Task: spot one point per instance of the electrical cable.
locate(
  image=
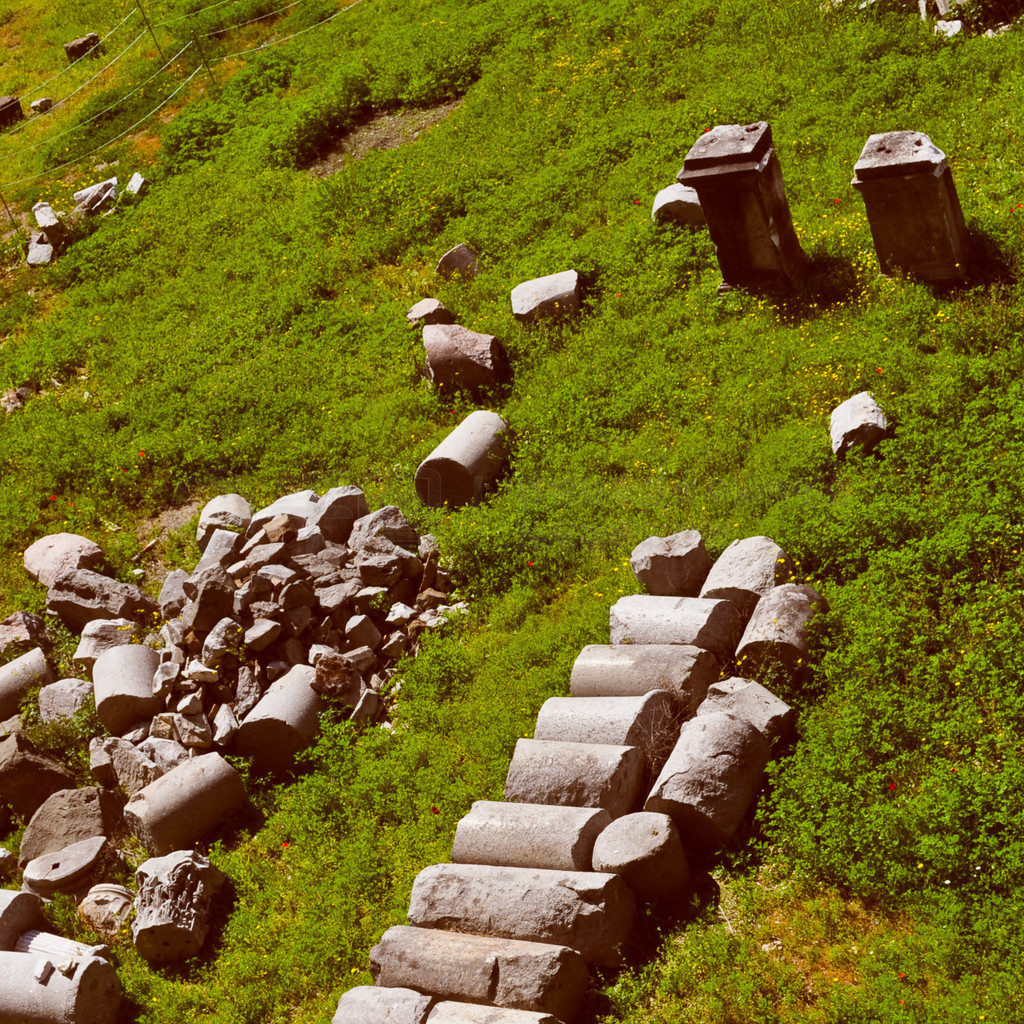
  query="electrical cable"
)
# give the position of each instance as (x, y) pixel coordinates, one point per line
(242, 24)
(294, 35)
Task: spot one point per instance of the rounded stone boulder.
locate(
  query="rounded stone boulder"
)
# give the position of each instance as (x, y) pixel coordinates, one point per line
(646, 850)
(547, 298)
(628, 670)
(122, 680)
(91, 994)
(19, 676)
(226, 511)
(467, 463)
(673, 566)
(859, 422)
(678, 204)
(776, 634)
(49, 556)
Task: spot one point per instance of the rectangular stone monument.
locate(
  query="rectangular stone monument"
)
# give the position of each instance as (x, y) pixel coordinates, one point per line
(738, 179)
(913, 209)
(10, 111)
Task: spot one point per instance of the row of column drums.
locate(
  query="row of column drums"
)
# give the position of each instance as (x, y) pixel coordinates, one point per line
(652, 756)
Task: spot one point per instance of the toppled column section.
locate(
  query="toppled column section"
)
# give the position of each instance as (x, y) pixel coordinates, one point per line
(479, 969)
(776, 635)
(677, 204)
(371, 1004)
(714, 625)
(547, 298)
(10, 111)
(739, 182)
(575, 775)
(19, 912)
(122, 680)
(916, 221)
(19, 676)
(752, 702)
(646, 850)
(457, 357)
(674, 566)
(626, 670)
(449, 1012)
(745, 571)
(585, 910)
(711, 778)
(857, 422)
(467, 463)
(87, 992)
(528, 835)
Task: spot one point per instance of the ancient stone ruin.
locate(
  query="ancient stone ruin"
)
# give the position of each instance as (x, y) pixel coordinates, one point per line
(651, 762)
(547, 298)
(467, 463)
(857, 423)
(10, 111)
(76, 49)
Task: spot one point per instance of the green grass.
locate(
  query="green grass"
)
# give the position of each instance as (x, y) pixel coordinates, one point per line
(242, 328)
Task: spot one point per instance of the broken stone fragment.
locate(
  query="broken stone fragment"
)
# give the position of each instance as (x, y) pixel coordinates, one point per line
(27, 778)
(40, 251)
(123, 685)
(78, 596)
(387, 522)
(105, 908)
(65, 869)
(460, 259)
(545, 298)
(64, 698)
(225, 512)
(76, 49)
(42, 105)
(746, 571)
(95, 197)
(677, 204)
(776, 635)
(457, 357)
(429, 311)
(23, 629)
(857, 422)
(132, 768)
(173, 905)
(100, 635)
(752, 702)
(646, 850)
(674, 566)
(302, 504)
(137, 185)
(69, 816)
(55, 553)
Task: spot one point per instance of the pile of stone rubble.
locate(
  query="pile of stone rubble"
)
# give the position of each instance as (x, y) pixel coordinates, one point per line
(308, 603)
(650, 760)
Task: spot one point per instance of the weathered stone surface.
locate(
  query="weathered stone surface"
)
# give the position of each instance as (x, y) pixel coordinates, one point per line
(283, 723)
(711, 778)
(746, 571)
(448, 1012)
(23, 629)
(336, 512)
(858, 422)
(19, 676)
(301, 504)
(776, 635)
(387, 522)
(14, 399)
(172, 597)
(467, 463)
(173, 904)
(337, 678)
(56, 947)
(714, 625)
(10, 111)
(8, 863)
(164, 753)
(63, 869)
(429, 311)
(677, 204)
(133, 769)
(42, 105)
(223, 548)
(40, 251)
(95, 197)
(78, 48)
(122, 681)
(575, 775)
(213, 599)
(545, 298)
(138, 185)
(743, 698)
(80, 595)
(626, 670)
(739, 182)
(89, 994)
(26, 777)
(105, 908)
(474, 968)
(226, 511)
(674, 566)
(100, 636)
(47, 219)
(528, 835)
(66, 817)
(186, 804)
(19, 912)
(646, 850)
(586, 911)
(912, 205)
(63, 698)
(647, 722)
(460, 259)
(371, 1004)
(224, 643)
(457, 357)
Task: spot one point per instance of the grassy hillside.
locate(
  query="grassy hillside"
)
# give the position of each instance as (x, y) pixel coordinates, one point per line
(242, 328)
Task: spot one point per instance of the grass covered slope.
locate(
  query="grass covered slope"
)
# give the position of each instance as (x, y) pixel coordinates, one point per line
(242, 328)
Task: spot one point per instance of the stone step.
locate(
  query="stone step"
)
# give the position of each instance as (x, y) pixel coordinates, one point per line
(585, 910)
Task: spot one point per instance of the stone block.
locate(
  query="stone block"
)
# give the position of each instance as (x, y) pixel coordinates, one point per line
(371, 1004)
(674, 566)
(187, 804)
(857, 423)
(80, 595)
(41, 105)
(743, 698)
(528, 835)
(457, 357)
(575, 775)
(460, 259)
(26, 777)
(24, 630)
(63, 699)
(912, 205)
(387, 522)
(449, 1012)
(138, 185)
(713, 625)
(19, 676)
(361, 631)
(122, 681)
(76, 49)
(475, 968)
(40, 251)
(711, 778)
(429, 311)
(646, 850)
(628, 670)
(678, 204)
(133, 769)
(100, 635)
(746, 571)
(301, 504)
(172, 597)
(93, 198)
(89, 993)
(283, 723)
(776, 635)
(647, 722)
(547, 298)
(336, 512)
(590, 912)
(738, 180)
(66, 817)
(10, 111)
(467, 463)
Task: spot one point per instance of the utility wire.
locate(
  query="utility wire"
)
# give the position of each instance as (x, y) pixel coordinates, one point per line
(102, 70)
(183, 17)
(252, 21)
(294, 35)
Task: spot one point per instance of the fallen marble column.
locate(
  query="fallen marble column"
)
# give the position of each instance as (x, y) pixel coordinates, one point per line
(627, 670)
(776, 635)
(694, 621)
(37, 991)
(480, 969)
(56, 947)
(371, 1004)
(528, 835)
(448, 1012)
(467, 463)
(711, 778)
(575, 775)
(19, 676)
(458, 357)
(19, 913)
(122, 681)
(746, 571)
(743, 698)
(647, 851)
(587, 911)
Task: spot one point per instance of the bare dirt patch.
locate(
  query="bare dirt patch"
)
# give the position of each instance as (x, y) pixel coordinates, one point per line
(166, 522)
(385, 131)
